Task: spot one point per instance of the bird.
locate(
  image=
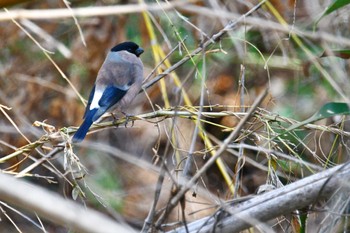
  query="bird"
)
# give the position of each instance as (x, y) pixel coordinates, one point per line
(118, 82)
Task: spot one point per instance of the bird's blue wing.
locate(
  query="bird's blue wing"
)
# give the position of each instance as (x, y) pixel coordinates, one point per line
(84, 127)
(110, 97)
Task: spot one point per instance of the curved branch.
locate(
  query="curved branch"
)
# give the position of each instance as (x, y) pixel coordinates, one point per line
(275, 203)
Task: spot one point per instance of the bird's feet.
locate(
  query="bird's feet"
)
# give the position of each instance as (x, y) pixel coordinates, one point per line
(127, 119)
(115, 120)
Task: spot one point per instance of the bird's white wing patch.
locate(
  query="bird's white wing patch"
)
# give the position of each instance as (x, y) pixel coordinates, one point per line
(97, 96)
(125, 87)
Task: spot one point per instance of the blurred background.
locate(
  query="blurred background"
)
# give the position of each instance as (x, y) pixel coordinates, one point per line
(47, 58)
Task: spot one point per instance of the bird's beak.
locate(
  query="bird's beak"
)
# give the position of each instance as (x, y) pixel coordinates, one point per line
(139, 51)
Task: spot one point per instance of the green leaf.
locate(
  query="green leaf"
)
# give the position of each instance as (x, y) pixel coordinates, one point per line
(335, 5)
(327, 110)
(342, 53)
(303, 219)
(288, 166)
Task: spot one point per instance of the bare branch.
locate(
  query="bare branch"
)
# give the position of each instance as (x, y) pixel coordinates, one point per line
(275, 203)
(89, 11)
(54, 208)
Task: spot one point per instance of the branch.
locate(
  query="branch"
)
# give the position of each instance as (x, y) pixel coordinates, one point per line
(275, 203)
(89, 11)
(54, 208)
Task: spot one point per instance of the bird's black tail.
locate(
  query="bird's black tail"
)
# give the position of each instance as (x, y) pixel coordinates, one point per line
(84, 127)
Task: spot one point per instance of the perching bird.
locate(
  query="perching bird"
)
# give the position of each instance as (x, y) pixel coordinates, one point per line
(118, 81)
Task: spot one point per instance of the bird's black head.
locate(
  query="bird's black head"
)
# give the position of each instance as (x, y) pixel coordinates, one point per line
(129, 46)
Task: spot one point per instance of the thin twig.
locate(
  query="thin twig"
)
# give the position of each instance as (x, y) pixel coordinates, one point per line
(150, 217)
(162, 62)
(240, 158)
(262, 23)
(49, 39)
(216, 37)
(175, 200)
(47, 54)
(189, 161)
(276, 154)
(22, 215)
(40, 161)
(67, 3)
